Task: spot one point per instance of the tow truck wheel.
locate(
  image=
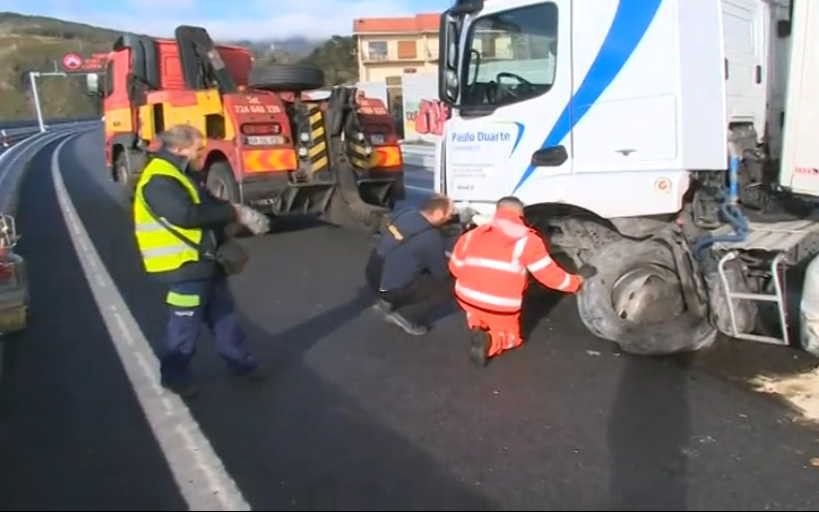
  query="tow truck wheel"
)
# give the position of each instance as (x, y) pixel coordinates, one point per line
(636, 300)
(123, 177)
(121, 169)
(221, 182)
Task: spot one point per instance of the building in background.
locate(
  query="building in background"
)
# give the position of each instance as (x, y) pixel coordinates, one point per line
(389, 48)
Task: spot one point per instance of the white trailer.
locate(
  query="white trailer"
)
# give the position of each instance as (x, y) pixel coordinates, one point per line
(669, 143)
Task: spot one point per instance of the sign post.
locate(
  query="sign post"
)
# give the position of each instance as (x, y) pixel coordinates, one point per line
(33, 76)
(73, 64)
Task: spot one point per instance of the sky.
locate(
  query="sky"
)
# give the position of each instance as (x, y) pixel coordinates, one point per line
(246, 19)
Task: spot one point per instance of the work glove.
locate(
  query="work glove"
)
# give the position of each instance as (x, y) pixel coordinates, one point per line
(587, 271)
(256, 222)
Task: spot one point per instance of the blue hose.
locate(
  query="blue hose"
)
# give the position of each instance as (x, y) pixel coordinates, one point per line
(730, 213)
(733, 181)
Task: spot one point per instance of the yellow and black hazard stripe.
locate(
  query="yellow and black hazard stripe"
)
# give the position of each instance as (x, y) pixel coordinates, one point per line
(317, 152)
(360, 156)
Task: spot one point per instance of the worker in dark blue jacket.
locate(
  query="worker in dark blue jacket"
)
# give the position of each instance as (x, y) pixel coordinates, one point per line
(408, 266)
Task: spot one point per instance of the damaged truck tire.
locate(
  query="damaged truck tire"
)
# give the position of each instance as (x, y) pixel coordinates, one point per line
(636, 300)
(287, 78)
(221, 182)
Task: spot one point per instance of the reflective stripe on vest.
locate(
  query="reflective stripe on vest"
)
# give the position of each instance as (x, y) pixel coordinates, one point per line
(566, 282)
(164, 251)
(503, 266)
(485, 298)
(512, 266)
(540, 264)
(520, 246)
(149, 227)
(183, 300)
(161, 250)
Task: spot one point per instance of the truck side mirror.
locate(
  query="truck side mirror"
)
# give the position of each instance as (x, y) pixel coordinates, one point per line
(448, 85)
(92, 84)
(783, 28)
(467, 6)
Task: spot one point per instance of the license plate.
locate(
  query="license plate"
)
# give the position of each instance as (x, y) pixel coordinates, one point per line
(377, 139)
(264, 140)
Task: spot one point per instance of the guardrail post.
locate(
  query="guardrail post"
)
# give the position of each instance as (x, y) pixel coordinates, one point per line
(5, 138)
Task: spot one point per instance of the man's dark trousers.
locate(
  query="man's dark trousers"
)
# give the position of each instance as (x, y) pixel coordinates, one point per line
(213, 308)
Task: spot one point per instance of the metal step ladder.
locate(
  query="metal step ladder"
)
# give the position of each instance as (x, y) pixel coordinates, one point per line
(777, 297)
(778, 239)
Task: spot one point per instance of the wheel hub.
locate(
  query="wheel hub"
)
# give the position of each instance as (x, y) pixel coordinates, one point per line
(648, 294)
(220, 190)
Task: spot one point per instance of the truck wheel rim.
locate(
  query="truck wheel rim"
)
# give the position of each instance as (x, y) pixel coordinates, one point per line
(220, 190)
(648, 294)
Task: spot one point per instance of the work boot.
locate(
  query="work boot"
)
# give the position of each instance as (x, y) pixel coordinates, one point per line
(185, 388)
(479, 345)
(405, 324)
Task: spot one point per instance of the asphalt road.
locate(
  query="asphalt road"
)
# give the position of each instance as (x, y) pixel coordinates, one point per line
(358, 415)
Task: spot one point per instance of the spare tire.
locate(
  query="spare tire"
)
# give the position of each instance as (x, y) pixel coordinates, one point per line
(287, 78)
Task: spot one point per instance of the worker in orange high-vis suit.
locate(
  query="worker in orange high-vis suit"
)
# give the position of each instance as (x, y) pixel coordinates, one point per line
(490, 265)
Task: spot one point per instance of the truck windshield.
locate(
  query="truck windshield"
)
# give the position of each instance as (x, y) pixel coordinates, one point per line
(512, 56)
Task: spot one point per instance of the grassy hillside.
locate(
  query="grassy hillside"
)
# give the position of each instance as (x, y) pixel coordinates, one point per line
(36, 43)
(33, 43)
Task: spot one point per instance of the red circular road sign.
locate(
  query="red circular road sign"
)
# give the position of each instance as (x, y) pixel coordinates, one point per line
(72, 62)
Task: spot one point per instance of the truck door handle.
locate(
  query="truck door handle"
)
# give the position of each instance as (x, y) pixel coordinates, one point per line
(550, 157)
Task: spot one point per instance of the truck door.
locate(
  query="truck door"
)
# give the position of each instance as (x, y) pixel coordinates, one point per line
(744, 23)
(118, 111)
(516, 76)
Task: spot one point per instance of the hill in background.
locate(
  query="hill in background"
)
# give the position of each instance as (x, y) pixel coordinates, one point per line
(37, 43)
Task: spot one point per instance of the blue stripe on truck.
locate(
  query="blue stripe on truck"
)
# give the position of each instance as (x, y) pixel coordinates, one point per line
(631, 22)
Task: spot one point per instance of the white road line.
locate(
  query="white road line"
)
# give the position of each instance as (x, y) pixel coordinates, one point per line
(199, 473)
(418, 189)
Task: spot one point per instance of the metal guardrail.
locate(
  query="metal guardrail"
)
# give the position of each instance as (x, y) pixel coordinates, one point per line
(11, 136)
(14, 159)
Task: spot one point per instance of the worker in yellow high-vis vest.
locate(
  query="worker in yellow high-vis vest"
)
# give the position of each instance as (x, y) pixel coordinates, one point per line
(177, 222)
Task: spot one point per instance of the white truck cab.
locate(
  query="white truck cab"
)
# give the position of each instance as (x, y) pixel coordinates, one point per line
(615, 122)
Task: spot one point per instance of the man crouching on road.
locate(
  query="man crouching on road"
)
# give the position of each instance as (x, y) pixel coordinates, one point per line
(408, 269)
(177, 223)
(490, 265)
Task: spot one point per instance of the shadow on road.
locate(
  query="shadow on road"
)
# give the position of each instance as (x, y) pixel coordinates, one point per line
(537, 304)
(298, 442)
(649, 431)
